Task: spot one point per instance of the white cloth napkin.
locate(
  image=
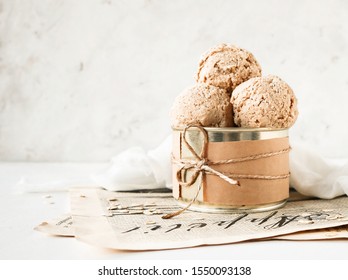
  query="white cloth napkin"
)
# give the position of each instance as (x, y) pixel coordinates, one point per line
(314, 175)
(136, 169)
(311, 174)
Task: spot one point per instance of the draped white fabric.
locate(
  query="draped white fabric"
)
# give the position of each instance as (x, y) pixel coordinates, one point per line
(311, 174)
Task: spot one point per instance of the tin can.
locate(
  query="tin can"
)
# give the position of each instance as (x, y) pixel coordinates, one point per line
(230, 169)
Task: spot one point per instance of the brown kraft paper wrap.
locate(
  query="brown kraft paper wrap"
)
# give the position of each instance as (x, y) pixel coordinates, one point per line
(250, 191)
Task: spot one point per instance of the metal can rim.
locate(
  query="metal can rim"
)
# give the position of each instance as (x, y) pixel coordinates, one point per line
(222, 134)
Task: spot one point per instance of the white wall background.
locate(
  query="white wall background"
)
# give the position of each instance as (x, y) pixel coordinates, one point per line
(84, 80)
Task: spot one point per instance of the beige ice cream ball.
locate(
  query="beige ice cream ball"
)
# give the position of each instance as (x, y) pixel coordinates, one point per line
(264, 102)
(226, 66)
(204, 105)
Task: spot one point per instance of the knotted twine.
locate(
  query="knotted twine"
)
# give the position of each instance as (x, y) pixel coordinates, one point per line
(202, 165)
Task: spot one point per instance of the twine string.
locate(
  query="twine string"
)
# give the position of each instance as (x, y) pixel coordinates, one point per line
(201, 164)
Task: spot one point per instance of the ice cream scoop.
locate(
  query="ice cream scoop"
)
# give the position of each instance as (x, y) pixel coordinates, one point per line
(227, 66)
(264, 102)
(204, 105)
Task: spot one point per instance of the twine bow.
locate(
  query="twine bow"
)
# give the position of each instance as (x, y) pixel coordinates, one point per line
(199, 166)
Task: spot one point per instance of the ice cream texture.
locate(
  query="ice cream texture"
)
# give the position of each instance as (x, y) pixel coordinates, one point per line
(264, 102)
(203, 105)
(226, 66)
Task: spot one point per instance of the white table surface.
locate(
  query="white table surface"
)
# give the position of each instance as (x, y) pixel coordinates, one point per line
(21, 212)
